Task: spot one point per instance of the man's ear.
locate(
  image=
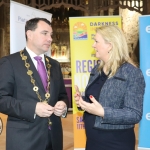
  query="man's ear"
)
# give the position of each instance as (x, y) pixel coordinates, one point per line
(29, 34)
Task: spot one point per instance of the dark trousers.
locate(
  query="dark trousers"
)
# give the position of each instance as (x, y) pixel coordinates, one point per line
(49, 141)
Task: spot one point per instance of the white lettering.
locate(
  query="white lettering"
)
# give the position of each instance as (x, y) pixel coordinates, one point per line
(81, 80)
(148, 116)
(148, 72)
(148, 29)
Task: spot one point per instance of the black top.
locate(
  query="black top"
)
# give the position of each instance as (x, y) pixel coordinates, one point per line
(94, 90)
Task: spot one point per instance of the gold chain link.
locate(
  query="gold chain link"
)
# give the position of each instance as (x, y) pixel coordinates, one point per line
(30, 72)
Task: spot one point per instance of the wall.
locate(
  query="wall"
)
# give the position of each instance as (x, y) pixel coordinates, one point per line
(4, 30)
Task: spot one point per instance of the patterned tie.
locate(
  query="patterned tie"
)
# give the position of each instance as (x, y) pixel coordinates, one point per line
(42, 71)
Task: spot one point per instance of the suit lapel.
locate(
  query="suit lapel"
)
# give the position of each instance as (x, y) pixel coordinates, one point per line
(47, 68)
(45, 57)
(53, 74)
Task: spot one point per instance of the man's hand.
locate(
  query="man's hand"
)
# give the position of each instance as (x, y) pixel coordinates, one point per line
(43, 109)
(60, 108)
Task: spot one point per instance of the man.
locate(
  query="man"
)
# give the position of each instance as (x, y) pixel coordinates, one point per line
(34, 109)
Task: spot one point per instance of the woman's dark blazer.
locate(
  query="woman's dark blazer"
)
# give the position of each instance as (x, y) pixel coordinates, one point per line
(18, 101)
(121, 97)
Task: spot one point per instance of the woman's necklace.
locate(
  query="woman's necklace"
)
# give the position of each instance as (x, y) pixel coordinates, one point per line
(35, 88)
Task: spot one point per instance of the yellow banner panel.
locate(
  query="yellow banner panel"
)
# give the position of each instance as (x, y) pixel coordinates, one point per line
(82, 31)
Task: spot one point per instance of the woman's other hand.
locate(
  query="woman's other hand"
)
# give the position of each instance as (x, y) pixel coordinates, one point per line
(77, 95)
(94, 108)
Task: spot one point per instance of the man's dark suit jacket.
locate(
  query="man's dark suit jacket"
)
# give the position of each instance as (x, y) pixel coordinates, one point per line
(18, 101)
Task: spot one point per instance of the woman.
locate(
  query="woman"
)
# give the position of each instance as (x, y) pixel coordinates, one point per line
(114, 95)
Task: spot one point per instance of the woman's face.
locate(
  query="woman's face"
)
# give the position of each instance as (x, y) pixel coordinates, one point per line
(101, 47)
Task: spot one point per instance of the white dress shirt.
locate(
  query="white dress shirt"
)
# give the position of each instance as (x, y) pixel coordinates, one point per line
(32, 55)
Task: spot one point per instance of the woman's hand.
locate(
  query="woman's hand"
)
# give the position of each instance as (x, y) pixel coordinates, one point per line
(94, 108)
(77, 95)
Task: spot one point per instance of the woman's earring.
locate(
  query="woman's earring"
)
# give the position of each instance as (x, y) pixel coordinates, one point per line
(109, 51)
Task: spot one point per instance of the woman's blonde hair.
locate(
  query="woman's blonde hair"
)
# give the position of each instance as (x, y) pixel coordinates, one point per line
(119, 54)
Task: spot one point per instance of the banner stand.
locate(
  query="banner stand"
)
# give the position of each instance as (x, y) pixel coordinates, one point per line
(144, 38)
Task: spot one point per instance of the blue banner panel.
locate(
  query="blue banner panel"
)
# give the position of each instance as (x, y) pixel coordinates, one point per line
(144, 38)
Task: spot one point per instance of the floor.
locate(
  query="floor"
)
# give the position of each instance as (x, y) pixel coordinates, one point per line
(67, 131)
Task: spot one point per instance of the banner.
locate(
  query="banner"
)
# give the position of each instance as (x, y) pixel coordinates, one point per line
(19, 14)
(82, 31)
(144, 38)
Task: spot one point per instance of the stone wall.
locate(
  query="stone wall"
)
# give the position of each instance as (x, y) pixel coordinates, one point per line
(130, 26)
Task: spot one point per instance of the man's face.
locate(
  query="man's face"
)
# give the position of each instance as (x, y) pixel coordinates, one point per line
(40, 39)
